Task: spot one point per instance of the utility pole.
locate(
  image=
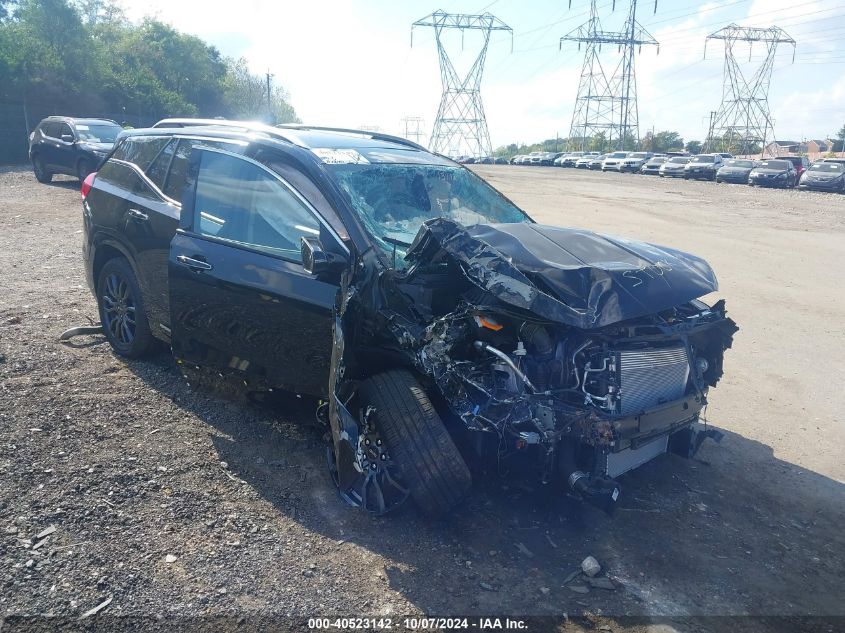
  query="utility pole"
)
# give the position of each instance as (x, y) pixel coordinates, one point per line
(743, 121)
(607, 104)
(461, 125)
(709, 140)
(269, 100)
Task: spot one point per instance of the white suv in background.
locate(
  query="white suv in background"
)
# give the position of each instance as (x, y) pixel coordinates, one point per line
(613, 161)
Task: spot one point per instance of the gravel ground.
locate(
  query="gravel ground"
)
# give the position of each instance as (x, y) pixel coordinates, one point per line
(170, 502)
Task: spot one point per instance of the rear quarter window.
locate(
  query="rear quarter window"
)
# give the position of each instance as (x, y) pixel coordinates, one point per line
(140, 150)
(118, 175)
(127, 179)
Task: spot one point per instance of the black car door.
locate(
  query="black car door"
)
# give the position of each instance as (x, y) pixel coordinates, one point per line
(240, 301)
(49, 143)
(65, 150)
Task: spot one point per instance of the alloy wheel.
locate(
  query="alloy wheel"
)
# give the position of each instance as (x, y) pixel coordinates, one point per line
(119, 309)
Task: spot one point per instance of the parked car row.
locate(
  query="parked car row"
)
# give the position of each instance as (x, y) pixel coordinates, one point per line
(484, 160)
(784, 171)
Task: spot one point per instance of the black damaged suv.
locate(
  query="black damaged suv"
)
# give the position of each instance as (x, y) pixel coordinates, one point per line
(65, 145)
(448, 332)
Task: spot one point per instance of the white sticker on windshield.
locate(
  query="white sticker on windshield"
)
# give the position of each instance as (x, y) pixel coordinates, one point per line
(81, 127)
(340, 156)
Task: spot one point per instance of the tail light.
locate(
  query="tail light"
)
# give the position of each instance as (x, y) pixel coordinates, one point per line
(87, 184)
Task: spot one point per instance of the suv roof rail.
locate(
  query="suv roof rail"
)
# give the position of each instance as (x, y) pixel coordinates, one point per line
(280, 129)
(380, 136)
(63, 117)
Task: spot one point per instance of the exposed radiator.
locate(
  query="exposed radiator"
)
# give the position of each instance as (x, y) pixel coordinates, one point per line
(650, 377)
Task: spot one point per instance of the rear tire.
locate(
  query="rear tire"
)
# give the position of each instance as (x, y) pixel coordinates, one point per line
(122, 312)
(41, 174)
(429, 462)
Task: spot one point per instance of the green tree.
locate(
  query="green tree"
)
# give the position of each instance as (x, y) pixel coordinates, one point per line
(83, 56)
(668, 141)
(693, 147)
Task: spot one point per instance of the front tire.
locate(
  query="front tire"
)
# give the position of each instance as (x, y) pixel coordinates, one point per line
(429, 462)
(41, 174)
(122, 312)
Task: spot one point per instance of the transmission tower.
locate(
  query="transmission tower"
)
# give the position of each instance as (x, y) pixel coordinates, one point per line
(742, 123)
(413, 129)
(461, 126)
(607, 104)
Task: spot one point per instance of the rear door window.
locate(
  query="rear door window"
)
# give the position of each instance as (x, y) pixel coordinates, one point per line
(51, 129)
(64, 128)
(239, 201)
(174, 185)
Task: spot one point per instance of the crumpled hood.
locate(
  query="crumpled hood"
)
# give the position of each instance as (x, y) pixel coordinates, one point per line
(570, 276)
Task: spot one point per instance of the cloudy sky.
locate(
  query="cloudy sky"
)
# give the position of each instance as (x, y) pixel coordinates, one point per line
(350, 62)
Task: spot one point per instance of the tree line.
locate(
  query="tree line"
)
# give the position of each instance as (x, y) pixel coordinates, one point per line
(84, 57)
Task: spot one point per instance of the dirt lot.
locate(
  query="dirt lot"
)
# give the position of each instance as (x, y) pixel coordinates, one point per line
(171, 502)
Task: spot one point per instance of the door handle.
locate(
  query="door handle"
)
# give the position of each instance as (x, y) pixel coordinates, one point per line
(193, 264)
(138, 215)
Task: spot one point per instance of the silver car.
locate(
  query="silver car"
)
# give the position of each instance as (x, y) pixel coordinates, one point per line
(597, 161)
(674, 167)
(569, 160)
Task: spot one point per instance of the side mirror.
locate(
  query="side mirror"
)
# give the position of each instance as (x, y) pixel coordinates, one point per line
(315, 259)
(67, 138)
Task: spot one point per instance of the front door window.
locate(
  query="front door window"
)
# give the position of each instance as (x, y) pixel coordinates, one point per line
(241, 202)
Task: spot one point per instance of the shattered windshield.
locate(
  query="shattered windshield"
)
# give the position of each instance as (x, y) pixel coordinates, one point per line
(393, 200)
